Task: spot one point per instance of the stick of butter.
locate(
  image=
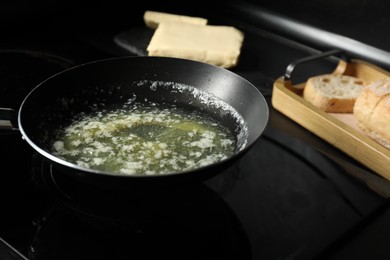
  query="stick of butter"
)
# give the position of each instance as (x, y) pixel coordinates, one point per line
(217, 45)
(153, 19)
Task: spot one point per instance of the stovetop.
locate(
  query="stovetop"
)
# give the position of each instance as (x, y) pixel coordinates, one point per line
(292, 196)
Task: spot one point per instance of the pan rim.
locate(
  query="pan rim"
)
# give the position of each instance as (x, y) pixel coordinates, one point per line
(231, 158)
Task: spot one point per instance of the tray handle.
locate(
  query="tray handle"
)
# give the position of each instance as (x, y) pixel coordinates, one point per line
(344, 59)
(8, 121)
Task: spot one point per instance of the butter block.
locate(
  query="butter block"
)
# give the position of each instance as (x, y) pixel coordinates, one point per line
(152, 19)
(217, 45)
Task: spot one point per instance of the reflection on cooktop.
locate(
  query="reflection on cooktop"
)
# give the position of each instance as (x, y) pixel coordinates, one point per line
(286, 202)
(190, 222)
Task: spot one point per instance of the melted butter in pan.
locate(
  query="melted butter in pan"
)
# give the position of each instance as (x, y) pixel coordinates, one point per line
(144, 140)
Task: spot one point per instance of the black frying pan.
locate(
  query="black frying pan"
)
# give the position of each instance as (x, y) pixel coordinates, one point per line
(54, 102)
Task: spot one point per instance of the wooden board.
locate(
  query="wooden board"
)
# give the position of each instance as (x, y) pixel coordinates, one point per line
(340, 130)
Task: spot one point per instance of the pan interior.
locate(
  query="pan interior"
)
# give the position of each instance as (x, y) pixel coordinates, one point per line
(111, 96)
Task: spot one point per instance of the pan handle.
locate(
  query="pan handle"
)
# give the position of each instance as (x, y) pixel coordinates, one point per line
(290, 68)
(8, 119)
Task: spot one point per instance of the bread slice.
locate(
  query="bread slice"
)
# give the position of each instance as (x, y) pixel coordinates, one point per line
(152, 19)
(372, 111)
(217, 45)
(333, 93)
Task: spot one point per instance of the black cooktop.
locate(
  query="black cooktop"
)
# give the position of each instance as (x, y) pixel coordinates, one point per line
(290, 197)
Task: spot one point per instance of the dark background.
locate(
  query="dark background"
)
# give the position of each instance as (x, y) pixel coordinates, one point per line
(362, 21)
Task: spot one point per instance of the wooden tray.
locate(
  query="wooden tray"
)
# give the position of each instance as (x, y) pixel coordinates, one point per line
(340, 130)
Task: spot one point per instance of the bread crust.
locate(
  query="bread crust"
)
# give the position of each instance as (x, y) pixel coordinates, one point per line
(372, 111)
(333, 93)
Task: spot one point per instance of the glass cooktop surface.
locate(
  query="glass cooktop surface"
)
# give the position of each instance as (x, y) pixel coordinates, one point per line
(282, 200)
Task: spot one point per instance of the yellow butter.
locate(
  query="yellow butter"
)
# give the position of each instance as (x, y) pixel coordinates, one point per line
(152, 19)
(217, 45)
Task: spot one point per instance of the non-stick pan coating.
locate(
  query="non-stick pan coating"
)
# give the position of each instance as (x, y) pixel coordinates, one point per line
(54, 102)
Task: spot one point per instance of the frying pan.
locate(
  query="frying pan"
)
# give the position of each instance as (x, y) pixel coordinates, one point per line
(100, 84)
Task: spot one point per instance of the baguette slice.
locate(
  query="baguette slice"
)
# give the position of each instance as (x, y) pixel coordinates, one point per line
(152, 19)
(333, 93)
(372, 111)
(217, 45)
